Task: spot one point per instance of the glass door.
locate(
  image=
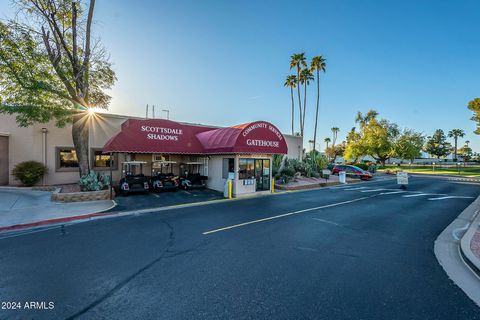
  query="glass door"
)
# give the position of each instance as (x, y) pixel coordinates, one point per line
(262, 174)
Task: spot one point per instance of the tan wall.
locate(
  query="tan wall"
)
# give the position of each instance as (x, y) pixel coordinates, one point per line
(4, 170)
(295, 146)
(215, 172)
(27, 144)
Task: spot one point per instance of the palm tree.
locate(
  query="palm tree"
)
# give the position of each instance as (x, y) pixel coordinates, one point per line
(291, 82)
(455, 134)
(318, 64)
(298, 61)
(305, 77)
(335, 131)
(327, 141)
(467, 143)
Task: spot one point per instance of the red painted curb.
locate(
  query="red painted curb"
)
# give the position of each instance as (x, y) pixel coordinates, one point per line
(56, 220)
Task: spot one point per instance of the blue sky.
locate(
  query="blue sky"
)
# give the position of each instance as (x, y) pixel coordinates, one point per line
(224, 62)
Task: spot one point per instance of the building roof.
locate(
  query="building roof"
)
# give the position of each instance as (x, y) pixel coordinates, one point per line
(165, 136)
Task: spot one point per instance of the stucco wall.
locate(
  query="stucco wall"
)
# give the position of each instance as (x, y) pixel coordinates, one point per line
(27, 144)
(215, 172)
(295, 146)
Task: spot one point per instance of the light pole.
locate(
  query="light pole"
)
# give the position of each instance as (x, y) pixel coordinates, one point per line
(167, 112)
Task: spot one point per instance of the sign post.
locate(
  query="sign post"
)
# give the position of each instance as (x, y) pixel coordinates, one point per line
(402, 179)
(326, 175)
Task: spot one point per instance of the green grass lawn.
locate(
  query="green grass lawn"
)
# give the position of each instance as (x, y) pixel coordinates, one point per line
(469, 171)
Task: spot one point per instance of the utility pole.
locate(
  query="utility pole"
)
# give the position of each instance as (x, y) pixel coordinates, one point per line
(146, 112)
(167, 112)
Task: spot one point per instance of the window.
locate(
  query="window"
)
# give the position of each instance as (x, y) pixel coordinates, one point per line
(228, 167)
(102, 161)
(66, 159)
(246, 169)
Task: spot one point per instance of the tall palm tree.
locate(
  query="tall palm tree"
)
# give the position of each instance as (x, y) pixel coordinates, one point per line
(291, 82)
(318, 64)
(335, 131)
(455, 134)
(327, 141)
(305, 77)
(298, 61)
(467, 143)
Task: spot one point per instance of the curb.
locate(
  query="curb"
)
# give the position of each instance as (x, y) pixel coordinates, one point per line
(465, 249)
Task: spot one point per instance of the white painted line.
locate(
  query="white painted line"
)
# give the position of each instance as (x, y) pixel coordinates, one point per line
(449, 197)
(393, 192)
(374, 190)
(284, 215)
(329, 222)
(352, 189)
(156, 195)
(416, 195)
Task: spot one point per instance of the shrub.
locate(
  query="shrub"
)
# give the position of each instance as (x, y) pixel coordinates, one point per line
(92, 182)
(29, 172)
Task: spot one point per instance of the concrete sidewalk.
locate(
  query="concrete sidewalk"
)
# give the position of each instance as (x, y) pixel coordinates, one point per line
(470, 242)
(22, 207)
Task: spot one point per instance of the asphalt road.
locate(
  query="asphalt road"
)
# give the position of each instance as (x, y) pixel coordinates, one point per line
(361, 252)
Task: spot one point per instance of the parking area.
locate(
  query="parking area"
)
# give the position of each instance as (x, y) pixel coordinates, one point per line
(164, 199)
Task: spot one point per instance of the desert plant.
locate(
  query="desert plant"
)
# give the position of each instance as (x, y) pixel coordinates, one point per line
(92, 182)
(29, 172)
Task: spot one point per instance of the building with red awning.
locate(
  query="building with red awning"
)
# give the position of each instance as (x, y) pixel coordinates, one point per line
(242, 153)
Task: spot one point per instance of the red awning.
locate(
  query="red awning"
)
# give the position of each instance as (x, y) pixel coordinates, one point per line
(165, 136)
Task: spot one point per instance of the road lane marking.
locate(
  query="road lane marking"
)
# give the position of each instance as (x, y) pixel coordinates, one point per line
(450, 197)
(329, 222)
(374, 190)
(416, 195)
(284, 215)
(352, 189)
(393, 192)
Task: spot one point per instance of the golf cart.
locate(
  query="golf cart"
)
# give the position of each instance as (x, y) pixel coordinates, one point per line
(163, 181)
(133, 180)
(192, 179)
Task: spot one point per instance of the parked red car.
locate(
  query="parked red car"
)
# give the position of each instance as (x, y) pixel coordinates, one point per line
(352, 171)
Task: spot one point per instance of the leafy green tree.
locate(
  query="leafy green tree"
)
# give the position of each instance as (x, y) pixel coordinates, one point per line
(318, 64)
(49, 68)
(354, 148)
(305, 77)
(465, 152)
(298, 62)
(378, 139)
(291, 82)
(409, 145)
(335, 151)
(455, 134)
(437, 144)
(474, 105)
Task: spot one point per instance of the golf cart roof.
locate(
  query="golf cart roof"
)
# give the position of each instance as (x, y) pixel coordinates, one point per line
(194, 162)
(164, 162)
(134, 162)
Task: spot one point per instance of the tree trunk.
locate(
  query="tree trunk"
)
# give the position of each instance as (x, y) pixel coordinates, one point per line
(455, 149)
(80, 135)
(316, 112)
(299, 102)
(293, 110)
(304, 105)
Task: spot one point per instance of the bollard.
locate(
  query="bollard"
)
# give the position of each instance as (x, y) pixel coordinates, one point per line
(229, 189)
(273, 185)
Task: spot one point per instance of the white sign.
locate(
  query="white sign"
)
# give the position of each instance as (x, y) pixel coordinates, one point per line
(326, 172)
(402, 177)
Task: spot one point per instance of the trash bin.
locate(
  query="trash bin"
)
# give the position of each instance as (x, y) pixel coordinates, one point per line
(342, 177)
